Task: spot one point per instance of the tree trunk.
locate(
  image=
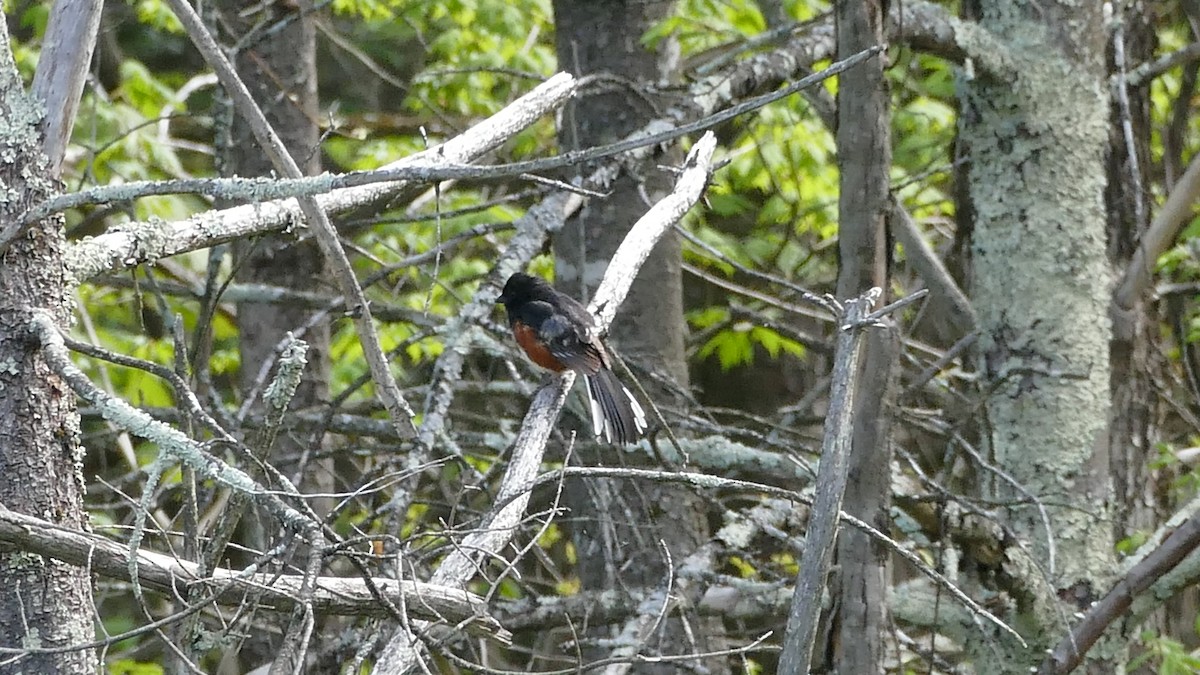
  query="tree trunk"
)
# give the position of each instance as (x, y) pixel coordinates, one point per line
(864, 163)
(280, 72)
(1038, 136)
(44, 603)
(615, 552)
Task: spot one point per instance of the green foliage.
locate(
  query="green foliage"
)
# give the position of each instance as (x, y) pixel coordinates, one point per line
(468, 41)
(1185, 480)
(744, 568)
(698, 25)
(115, 322)
(157, 15)
(1167, 656)
(787, 562)
(1129, 545)
(1180, 263)
(509, 589)
(25, 53)
(34, 17)
(130, 667)
(568, 586)
(736, 345)
(129, 140)
(353, 154)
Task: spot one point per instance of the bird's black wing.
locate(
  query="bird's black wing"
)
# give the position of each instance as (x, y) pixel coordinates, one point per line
(566, 338)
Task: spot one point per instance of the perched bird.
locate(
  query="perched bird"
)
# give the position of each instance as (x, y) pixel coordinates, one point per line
(558, 333)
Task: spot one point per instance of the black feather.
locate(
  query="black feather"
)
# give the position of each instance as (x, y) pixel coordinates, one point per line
(568, 331)
(622, 419)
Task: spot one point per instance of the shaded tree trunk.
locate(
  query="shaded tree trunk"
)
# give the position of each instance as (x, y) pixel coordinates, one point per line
(1143, 493)
(615, 552)
(864, 164)
(280, 72)
(1141, 500)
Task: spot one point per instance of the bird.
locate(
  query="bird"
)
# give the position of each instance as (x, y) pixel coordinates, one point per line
(558, 333)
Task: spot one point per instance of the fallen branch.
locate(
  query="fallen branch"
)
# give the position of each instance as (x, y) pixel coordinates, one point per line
(273, 592)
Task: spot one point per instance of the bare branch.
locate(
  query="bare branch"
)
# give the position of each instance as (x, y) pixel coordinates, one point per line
(172, 443)
(61, 72)
(932, 28)
(275, 592)
(710, 482)
(1171, 217)
(137, 243)
(401, 652)
(1071, 649)
(386, 389)
(1148, 71)
(933, 271)
(58, 83)
(831, 487)
(532, 230)
(646, 232)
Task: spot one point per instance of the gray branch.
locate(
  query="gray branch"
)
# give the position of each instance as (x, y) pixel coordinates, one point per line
(63, 69)
(172, 443)
(136, 243)
(830, 488)
(274, 592)
(386, 389)
(403, 651)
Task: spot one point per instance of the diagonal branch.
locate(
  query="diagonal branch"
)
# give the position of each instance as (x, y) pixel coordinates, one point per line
(141, 242)
(1170, 220)
(830, 488)
(62, 71)
(1071, 649)
(172, 443)
(58, 84)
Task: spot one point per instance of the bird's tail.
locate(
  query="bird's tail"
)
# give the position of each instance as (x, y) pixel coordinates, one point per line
(616, 414)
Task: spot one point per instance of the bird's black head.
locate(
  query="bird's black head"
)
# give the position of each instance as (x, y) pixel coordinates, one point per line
(522, 287)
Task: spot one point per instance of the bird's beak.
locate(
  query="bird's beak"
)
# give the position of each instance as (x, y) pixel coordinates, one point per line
(501, 298)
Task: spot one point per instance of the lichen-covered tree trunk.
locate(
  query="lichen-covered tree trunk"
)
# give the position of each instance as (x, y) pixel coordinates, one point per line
(1041, 287)
(44, 603)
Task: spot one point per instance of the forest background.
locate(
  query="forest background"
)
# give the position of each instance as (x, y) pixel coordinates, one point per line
(272, 424)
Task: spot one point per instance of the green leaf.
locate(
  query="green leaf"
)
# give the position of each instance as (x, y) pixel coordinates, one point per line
(731, 347)
(130, 667)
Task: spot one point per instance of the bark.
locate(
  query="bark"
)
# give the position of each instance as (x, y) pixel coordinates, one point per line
(864, 163)
(281, 73)
(622, 528)
(1142, 415)
(1041, 287)
(44, 603)
(1143, 495)
(62, 70)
